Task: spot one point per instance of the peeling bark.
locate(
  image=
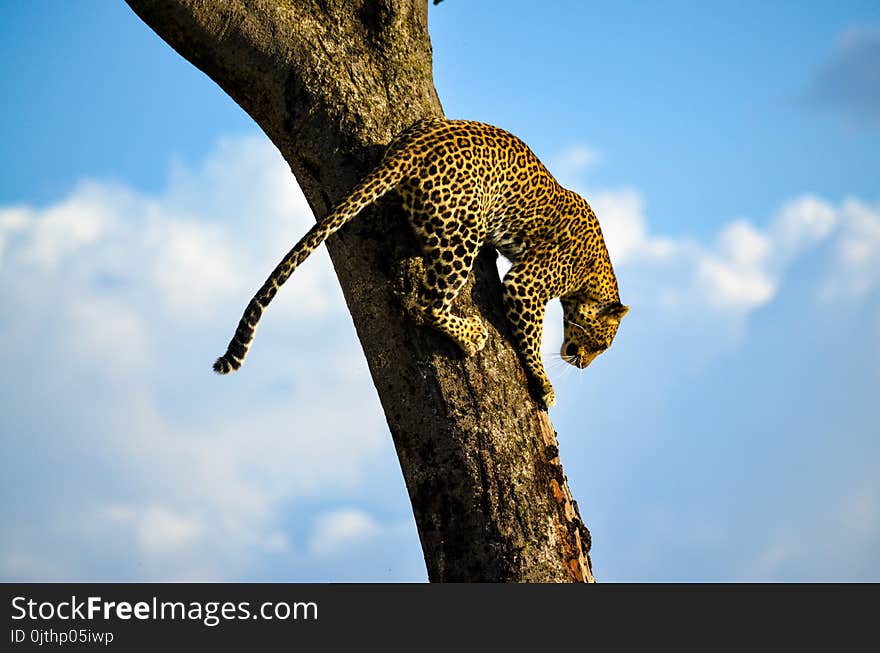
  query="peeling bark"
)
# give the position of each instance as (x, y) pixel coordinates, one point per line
(331, 82)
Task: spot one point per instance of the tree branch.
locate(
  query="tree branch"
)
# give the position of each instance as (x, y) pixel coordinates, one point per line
(330, 82)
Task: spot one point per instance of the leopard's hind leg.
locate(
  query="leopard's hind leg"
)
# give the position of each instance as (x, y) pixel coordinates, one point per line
(450, 246)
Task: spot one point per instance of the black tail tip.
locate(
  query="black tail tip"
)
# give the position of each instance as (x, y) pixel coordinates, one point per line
(223, 366)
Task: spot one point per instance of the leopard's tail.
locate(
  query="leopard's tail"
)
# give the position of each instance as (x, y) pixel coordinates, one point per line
(379, 182)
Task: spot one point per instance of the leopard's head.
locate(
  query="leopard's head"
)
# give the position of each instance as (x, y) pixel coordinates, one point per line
(589, 329)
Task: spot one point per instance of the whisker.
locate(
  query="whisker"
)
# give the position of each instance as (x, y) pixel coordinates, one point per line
(558, 364)
(569, 365)
(575, 324)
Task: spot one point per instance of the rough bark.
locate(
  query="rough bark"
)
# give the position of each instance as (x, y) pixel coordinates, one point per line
(330, 82)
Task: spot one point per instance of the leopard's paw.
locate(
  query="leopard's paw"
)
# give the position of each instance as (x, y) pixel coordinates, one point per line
(543, 393)
(476, 336)
(548, 398)
(481, 332)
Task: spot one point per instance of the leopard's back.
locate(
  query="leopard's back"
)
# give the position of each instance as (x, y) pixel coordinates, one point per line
(487, 173)
(467, 170)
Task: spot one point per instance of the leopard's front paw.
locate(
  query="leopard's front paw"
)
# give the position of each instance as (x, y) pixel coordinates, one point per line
(548, 397)
(543, 393)
(480, 331)
(476, 336)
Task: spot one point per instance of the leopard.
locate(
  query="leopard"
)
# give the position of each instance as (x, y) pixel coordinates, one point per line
(464, 185)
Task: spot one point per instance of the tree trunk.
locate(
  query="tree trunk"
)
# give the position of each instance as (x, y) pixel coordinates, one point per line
(331, 82)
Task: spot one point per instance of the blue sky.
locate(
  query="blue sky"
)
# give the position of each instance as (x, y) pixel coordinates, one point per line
(732, 153)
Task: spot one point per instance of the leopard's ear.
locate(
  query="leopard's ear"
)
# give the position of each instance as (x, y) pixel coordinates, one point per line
(613, 311)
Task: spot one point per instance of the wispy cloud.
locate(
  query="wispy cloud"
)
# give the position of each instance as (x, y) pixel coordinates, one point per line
(342, 528)
(741, 269)
(119, 303)
(571, 164)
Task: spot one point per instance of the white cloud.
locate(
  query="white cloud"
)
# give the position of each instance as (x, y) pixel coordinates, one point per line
(195, 265)
(744, 266)
(803, 222)
(734, 287)
(623, 222)
(158, 529)
(162, 529)
(735, 275)
(572, 163)
(744, 245)
(857, 270)
(341, 529)
(81, 220)
(100, 329)
(123, 300)
(12, 220)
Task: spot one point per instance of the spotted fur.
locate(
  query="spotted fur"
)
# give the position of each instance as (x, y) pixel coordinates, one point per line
(465, 184)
